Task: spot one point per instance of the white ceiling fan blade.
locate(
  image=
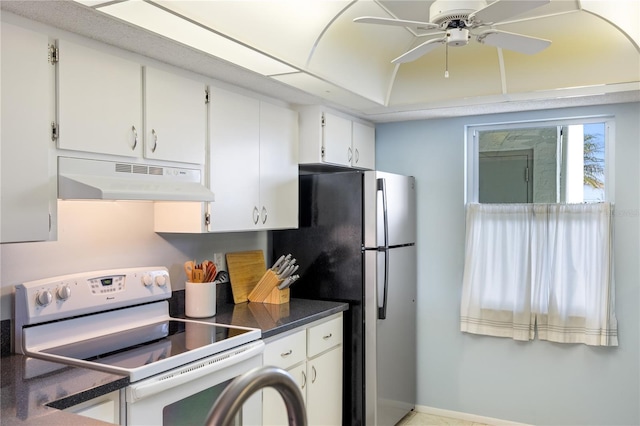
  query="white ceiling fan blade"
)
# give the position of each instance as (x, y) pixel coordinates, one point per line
(516, 42)
(504, 9)
(421, 49)
(416, 25)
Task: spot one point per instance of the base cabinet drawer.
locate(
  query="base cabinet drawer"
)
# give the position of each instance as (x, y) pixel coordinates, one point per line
(287, 351)
(324, 336)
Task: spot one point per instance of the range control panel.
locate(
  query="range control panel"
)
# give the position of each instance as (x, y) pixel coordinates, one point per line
(90, 292)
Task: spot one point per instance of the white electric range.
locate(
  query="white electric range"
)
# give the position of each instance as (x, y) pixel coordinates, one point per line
(118, 321)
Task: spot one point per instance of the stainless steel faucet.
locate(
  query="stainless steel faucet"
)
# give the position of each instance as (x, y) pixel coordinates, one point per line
(242, 387)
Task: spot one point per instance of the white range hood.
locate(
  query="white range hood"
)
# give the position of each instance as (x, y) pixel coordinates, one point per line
(84, 179)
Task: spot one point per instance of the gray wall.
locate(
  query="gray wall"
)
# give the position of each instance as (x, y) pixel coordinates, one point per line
(534, 382)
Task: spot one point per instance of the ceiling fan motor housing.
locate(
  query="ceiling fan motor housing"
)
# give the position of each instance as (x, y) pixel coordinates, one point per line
(442, 12)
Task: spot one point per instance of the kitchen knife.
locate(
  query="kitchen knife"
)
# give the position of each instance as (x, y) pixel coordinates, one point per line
(284, 264)
(285, 272)
(278, 262)
(289, 271)
(286, 283)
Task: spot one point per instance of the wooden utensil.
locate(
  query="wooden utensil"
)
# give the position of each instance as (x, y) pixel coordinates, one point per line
(198, 275)
(188, 270)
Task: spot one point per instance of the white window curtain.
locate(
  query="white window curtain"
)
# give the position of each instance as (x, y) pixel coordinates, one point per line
(544, 267)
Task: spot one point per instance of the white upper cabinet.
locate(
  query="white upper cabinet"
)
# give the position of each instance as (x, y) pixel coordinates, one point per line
(254, 163)
(336, 148)
(278, 167)
(364, 146)
(175, 117)
(234, 155)
(252, 166)
(100, 108)
(333, 139)
(99, 101)
(28, 201)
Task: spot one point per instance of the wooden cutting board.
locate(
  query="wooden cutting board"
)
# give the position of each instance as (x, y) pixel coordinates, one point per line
(245, 270)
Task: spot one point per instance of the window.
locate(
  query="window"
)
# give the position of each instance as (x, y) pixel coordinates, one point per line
(539, 246)
(540, 162)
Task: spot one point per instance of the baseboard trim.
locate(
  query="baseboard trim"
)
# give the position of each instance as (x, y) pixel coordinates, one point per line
(466, 416)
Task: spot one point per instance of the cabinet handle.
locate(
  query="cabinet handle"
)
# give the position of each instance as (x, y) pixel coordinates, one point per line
(264, 215)
(313, 370)
(304, 380)
(350, 151)
(328, 336)
(256, 215)
(357, 156)
(155, 140)
(286, 354)
(135, 138)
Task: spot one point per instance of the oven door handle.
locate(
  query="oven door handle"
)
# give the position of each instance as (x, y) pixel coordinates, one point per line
(192, 371)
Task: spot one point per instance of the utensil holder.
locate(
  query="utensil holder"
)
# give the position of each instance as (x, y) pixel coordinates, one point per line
(200, 299)
(267, 291)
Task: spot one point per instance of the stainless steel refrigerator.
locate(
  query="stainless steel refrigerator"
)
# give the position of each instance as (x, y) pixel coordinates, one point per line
(356, 243)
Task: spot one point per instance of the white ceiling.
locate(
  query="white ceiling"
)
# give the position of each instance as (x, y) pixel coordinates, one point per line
(310, 51)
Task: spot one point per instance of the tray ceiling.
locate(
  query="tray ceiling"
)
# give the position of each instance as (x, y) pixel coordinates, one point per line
(311, 51)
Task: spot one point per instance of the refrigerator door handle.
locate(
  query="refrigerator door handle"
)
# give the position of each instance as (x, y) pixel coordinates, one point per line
(382, 187)
(382, 310)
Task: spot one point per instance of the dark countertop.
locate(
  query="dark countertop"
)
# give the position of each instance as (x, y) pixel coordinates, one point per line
(26, 400)
(25, 393)
(275, 319)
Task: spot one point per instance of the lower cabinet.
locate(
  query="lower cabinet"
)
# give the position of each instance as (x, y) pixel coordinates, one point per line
(313, 356)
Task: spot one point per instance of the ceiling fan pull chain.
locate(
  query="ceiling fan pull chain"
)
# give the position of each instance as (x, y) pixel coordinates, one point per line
(446, 60)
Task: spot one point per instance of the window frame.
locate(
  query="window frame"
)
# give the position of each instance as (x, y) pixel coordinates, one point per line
(472, 149)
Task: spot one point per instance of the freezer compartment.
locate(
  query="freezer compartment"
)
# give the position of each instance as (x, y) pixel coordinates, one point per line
(390, 210)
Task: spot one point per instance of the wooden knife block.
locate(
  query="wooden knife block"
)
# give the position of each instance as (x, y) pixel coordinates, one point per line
(267, 291)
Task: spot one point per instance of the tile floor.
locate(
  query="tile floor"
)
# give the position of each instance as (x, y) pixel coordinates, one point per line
(422, 419)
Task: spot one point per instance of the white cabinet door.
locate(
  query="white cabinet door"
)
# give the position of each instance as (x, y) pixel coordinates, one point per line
(329, 138)
(337, 140)
(273, 408)
(364, 146)
(252, 166)
(324, 388)
(99, 101)
(175, 111)
(278, 167)
(28, 192)
(234, 148)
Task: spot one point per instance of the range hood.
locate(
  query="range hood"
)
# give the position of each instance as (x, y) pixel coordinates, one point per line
(88, 179)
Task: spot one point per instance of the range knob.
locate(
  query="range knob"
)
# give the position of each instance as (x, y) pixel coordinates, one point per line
(161, 280)
(43, 297)
(147, 280)
(64, 292)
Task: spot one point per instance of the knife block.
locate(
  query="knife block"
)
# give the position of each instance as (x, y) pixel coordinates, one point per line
(267, 291)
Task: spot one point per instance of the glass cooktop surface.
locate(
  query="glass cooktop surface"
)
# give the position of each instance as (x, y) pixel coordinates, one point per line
(144, 345)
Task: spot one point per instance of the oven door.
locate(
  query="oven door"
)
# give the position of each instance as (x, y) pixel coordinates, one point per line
(185, 395)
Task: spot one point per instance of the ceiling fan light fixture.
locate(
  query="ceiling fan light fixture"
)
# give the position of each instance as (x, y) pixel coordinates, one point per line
(458, 37)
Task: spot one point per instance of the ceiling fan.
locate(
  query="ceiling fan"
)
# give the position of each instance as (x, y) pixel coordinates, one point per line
(458, 20)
